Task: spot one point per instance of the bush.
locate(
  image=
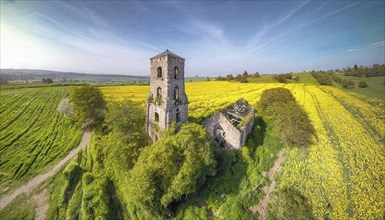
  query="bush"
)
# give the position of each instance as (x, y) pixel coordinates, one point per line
(337, 79)
(362, 84)
(324, 79)
(282, 78)
(292, 123)
(346, 83)
(296, 78)
(47, 80)
(288, 203)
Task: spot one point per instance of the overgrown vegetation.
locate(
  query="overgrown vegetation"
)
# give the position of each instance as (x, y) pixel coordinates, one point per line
(322, 77)
(292, 122)
(288, 203)
(346, 83)
(89, 106)
(282, 78)
(171, 169)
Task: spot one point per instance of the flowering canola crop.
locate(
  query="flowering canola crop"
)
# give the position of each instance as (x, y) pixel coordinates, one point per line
(342, 173)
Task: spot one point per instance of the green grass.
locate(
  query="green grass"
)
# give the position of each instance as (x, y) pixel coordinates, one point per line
(305, 78)
(33, 134)
(20, 208)
(262, 79)
(376, 85)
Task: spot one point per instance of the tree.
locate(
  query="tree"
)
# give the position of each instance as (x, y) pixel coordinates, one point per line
(207, 78)
(47, 80)
(245, 74)
(89, 106)
(256, 75)
(173, 167)
(244, 79)
(238, 77)
(229, 77)
(125, 121)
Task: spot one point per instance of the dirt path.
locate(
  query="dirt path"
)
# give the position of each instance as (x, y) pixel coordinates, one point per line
(261, 207)
(41, 201)
(30, 185)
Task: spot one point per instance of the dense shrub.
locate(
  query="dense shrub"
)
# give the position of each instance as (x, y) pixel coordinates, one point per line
(346, 83)
(292, 123)
(95, 202)
(324, 79)
(282, 78)
(337, 79)
(288, 203)
(362, 84)
(72, 174)
(174, 166)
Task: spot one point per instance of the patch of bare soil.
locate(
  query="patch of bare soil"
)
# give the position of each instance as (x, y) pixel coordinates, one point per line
(261, 207)
(41, 207)
(30, 185)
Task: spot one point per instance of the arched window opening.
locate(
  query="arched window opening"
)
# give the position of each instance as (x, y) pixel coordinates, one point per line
(159, 92)
(176, 73)
(177, 115)
(159, 72)
(156, 116)
(176, 93)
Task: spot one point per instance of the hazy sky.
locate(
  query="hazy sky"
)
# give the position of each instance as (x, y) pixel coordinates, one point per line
(215, 37)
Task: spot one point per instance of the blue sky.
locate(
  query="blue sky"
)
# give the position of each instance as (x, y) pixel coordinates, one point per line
(215, 37)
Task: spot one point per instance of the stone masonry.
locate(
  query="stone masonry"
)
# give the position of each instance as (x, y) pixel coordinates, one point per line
(229, 128)
(167, 101)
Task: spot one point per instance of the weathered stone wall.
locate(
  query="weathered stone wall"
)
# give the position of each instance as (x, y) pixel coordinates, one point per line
(233, 135)
(169, 107)
(235, 138)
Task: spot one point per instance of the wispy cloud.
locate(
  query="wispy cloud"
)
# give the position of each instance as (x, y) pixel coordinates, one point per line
(367, 47)
(120, 37)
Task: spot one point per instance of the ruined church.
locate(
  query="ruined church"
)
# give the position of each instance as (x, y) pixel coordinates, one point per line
(168, 102)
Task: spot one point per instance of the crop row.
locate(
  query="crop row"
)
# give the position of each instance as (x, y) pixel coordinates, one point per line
(32, 132)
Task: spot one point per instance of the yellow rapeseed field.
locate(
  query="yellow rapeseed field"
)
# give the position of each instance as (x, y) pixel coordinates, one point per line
(342, 173)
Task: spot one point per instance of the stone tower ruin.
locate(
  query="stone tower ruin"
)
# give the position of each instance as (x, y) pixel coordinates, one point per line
(167, 101)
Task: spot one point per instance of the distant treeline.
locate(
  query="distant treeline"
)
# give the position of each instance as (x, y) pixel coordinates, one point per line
(31, 75)
(240, 77)
(367, 71)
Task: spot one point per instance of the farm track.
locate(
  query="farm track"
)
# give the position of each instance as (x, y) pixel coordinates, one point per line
(35, 181)
(261, 207)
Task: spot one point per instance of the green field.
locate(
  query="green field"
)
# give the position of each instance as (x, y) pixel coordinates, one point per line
(33, 134)
(376, 85)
